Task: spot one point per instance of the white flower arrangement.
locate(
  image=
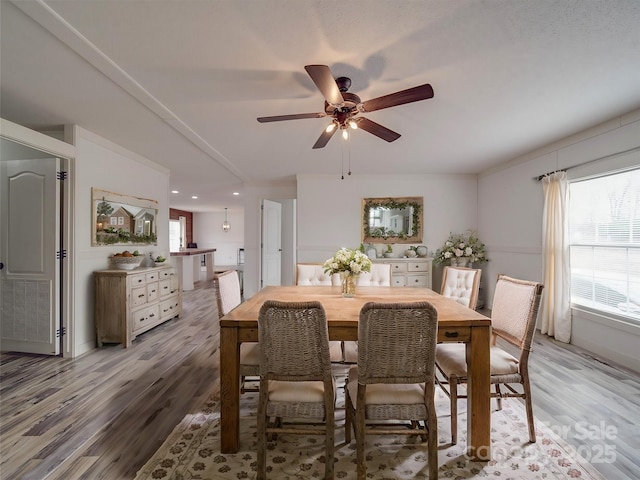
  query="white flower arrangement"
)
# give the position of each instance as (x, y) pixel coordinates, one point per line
(348, 260)
(462, 246)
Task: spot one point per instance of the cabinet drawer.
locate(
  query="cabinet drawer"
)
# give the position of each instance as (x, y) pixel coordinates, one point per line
(398, 267)
(165, 287)
(139, 295)
(146, 317)
(459, 334)
(153, 291)
(151, 277)
(140, 279)
(417, 267)
(398, 281)
(416, 280)
(165, 273)
(170, 308)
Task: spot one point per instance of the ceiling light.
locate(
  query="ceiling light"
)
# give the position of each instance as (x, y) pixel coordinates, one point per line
(226, 226)
(175, 191)
(236, 193)
(195, 197)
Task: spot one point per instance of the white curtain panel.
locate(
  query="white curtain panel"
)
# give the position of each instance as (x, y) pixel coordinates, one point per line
(556, 300)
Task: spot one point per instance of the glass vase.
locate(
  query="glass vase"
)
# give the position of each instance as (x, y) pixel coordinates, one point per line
(348, 283)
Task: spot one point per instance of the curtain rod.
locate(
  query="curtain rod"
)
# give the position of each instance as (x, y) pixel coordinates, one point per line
(540, 177)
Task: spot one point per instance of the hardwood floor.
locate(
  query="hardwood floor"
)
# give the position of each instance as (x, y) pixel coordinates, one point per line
(101, 416)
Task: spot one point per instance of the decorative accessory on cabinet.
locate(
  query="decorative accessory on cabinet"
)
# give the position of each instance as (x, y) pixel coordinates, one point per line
(226, 226)
(350, 262)
(460, 247)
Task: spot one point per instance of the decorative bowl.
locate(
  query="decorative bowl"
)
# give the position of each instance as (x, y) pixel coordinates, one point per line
(159, 264)
(125, 263)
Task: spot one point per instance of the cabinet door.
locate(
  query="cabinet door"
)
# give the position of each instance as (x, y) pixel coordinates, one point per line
(153, 291)
(165, 287)
(139, 295)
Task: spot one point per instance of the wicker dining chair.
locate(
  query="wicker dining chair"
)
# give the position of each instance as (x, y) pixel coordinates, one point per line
(228, 296)
(513, 319)
(461, 284)
(380, 276)
(313, 274)
(295, 375)
(394, 377)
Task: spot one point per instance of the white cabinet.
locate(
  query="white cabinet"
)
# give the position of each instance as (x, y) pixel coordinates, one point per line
(130, 302)
(409, 272)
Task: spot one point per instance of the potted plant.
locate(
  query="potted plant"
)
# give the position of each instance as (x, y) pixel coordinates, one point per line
(462, 249)
(389, 252)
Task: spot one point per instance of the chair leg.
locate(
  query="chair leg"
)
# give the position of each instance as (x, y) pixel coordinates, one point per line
(529, 405)
(498, 396)
(360, 438)
(348, 420)
(432, 446)
(262, 440)
(329, 444)
(453, 393)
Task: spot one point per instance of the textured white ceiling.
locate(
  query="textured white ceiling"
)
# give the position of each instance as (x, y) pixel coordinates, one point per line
(182, 82)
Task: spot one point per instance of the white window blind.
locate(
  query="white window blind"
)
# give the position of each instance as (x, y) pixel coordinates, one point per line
(604, 227)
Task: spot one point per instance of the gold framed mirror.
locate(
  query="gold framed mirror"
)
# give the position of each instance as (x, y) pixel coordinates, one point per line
(392, 220)
(122, 219)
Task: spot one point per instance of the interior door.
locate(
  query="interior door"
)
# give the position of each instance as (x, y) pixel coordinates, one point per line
(29, 286)
(271, 243)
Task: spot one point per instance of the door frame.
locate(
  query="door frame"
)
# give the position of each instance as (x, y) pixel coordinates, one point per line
(67, 153)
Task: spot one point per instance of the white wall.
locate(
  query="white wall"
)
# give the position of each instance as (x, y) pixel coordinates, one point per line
(510, 223)
(102, 164)
(330, 209)
(208, 233)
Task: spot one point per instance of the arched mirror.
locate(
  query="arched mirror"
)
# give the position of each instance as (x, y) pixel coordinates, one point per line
(392, 220)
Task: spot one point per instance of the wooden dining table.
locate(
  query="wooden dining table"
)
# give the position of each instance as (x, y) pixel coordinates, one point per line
(456, 323)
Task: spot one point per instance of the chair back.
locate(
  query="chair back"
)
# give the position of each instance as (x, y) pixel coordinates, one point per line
(397, 343)
(379, 276)
(294, 342)
(462, 285)
(515, 309)
(311, 274)
(227, 288)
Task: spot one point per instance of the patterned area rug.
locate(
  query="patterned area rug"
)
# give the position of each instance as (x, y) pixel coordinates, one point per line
(192, 451)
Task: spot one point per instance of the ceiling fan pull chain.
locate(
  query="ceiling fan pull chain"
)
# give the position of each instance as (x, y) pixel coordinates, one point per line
(342, 150)
(349, 152)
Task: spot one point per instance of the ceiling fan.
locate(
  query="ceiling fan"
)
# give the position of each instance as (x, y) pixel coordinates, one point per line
(344, 107)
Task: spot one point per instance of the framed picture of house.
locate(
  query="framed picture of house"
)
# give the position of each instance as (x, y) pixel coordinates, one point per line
(119, 219)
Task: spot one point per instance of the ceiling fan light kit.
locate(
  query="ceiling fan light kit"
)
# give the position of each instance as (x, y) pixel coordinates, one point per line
(344, 107)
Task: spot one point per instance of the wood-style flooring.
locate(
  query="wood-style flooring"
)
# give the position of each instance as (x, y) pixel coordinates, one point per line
(103, 415)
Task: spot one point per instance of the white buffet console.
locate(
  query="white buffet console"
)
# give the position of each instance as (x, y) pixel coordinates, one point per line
(409, 272)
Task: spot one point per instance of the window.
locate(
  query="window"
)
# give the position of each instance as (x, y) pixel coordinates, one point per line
(604, 229)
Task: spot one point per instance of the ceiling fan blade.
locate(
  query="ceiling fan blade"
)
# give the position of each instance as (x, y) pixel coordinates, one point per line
(323, 78)
(324, 138)
(377, 129)
(297, 116)
(415, 94)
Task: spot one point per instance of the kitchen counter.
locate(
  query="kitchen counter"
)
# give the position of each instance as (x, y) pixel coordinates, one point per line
(187, 263)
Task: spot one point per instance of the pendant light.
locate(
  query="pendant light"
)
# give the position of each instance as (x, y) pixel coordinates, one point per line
(226, 226)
